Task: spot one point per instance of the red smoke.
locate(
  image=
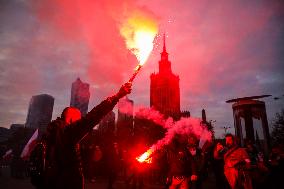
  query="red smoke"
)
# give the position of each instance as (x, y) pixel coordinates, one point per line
(202, 36)
(219, 50)
(96, 24)
(185, 126)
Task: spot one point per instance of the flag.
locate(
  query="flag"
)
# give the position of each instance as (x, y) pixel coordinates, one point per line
(29, 146)
(8, 154)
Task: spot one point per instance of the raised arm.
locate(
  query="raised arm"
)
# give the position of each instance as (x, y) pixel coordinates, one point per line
(77, 130)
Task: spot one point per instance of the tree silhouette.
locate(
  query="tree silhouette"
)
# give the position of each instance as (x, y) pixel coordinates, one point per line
(277, 133)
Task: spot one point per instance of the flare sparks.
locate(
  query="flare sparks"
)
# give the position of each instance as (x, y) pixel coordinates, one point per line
(139, 31)
(145, 157)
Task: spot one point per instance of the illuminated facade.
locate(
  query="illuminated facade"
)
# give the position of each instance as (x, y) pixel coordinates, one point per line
(164, 88)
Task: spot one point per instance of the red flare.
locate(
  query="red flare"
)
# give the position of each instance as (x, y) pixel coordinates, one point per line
(137, 69)
(145, 157)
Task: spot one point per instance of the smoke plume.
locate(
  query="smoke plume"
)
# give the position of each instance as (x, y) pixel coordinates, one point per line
(185, 126)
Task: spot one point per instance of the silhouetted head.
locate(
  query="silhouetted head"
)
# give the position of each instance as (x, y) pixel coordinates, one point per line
(192, 141)
(70, 115)
(230, 140)
(178, 141)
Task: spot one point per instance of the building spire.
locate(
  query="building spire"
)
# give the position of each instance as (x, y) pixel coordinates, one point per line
(164, 54)
(165, 64)
(164, 47)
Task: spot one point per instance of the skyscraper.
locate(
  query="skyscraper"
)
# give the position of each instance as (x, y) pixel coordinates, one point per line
(80, 96)
(40, 112)
(124, 120)
(164, 88)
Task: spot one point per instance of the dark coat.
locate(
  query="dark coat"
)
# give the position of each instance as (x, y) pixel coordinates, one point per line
(180, 163)
(198, 161)
(63, 141)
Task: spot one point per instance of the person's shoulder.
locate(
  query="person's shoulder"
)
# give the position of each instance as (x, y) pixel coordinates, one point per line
(55, 125)
(242, 149)
(58, 122)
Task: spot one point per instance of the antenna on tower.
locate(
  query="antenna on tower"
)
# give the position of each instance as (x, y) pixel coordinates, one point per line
(164, 39)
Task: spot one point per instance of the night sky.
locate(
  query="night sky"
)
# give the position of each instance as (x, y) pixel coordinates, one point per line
(220, 49)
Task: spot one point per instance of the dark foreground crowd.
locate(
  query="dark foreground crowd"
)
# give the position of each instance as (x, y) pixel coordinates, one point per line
(57, 161)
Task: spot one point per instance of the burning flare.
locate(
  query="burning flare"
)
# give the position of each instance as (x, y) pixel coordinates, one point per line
(145, 157)
(139, 32)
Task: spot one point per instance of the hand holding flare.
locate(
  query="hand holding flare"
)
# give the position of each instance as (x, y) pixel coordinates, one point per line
(136, 70)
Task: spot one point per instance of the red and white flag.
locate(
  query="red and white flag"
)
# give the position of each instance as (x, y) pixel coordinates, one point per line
(8, 154)
(29, 146)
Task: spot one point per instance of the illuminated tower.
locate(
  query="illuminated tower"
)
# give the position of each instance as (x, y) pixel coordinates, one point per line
(164, 88)
(80, 96)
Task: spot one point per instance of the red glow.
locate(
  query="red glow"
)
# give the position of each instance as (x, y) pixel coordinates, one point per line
(96, 25)
(71, 114)
(145, 157)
